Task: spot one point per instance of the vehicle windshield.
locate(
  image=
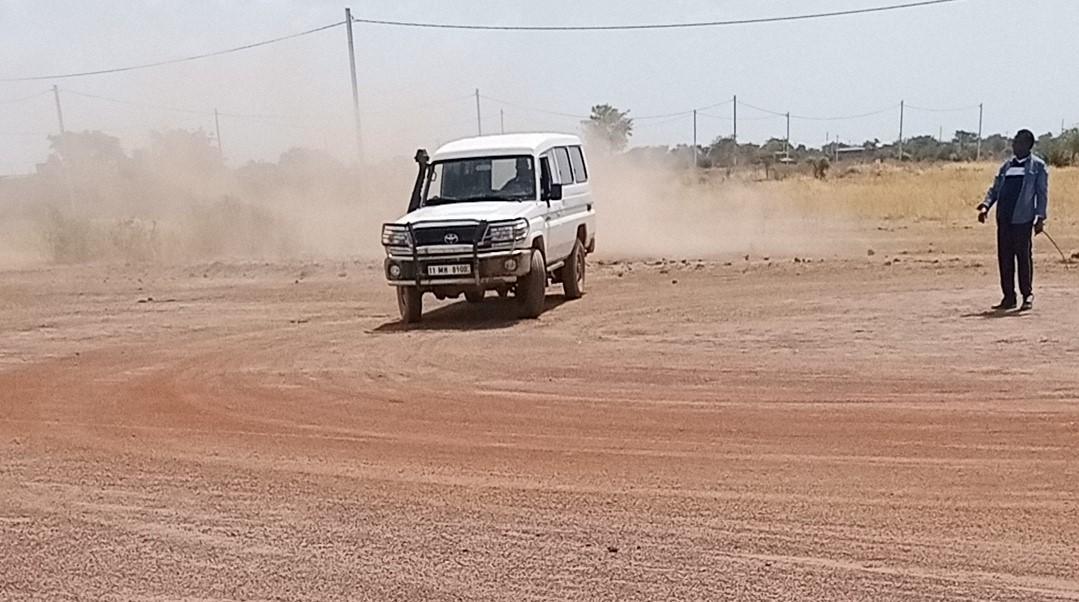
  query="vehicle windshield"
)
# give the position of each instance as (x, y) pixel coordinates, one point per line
(480, 179)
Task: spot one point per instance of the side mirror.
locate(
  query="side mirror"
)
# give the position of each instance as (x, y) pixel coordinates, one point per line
(555, 193)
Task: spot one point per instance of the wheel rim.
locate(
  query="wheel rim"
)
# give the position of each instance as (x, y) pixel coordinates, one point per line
(580, 268)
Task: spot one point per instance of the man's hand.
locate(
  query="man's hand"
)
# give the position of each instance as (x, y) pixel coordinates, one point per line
(983, 213)
(1039, 226)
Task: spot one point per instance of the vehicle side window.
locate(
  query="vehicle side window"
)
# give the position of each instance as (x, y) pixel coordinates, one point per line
(552, 165)
(565, 172)
(576, 158)
(545, 173)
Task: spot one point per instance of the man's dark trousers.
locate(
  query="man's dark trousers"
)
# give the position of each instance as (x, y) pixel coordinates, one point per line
(1015, 245)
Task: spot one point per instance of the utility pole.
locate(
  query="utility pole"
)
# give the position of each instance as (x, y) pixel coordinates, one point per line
(978, 153)
(837, 148)
(735, 137)
(787, 144)
(217, 127)
(59, 111)
(902, 109)
(63, 150)
(694, 139)
(355, 86)
(479, 119)
(502, 119)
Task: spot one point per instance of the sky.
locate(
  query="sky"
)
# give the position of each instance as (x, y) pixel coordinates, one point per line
(417, 86)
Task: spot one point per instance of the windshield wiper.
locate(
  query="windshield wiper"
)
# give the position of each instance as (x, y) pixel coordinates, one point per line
(438, 200)
(492, 197)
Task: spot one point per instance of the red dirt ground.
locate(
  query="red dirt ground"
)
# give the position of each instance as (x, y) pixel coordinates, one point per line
(845, 429)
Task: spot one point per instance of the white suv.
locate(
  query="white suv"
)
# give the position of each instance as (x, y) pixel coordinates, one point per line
(506, 213)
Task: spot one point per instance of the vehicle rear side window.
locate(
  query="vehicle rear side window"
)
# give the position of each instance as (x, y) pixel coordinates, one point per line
(580, 171)
(565, 172)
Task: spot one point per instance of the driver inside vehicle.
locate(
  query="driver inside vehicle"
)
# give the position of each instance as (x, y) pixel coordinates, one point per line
(524, 183)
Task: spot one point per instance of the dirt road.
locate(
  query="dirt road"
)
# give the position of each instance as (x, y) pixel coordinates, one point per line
(764, 429)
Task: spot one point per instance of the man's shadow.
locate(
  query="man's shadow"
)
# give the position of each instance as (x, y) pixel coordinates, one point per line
(994, 314)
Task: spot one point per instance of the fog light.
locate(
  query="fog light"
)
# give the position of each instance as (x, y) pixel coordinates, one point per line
(510, 265)
(395, 271)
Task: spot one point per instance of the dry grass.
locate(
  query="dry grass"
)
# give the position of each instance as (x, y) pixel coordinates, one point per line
(943, 192)
(654, 212)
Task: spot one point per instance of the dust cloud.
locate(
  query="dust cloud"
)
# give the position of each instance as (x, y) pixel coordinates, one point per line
(176, 200)
(652, 211)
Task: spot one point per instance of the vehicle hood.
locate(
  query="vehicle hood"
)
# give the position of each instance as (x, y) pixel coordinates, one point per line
(486, 210)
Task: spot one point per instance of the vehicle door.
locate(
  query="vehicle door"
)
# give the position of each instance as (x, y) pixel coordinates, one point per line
(577, 198)
(560, 228)
(553, 234)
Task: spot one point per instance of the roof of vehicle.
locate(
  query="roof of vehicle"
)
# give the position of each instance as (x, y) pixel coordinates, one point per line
(503, 144)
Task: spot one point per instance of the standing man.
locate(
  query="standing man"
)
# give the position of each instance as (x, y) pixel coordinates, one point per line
(1021, 195)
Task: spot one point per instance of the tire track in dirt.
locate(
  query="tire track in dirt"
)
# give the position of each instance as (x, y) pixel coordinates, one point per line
(306, 448)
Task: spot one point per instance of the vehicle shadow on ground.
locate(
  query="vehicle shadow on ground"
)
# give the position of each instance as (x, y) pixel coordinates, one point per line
(494, 313)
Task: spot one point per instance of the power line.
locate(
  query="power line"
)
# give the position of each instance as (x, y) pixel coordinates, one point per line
(671, 119)
(426, 105)
(762, 110)
(847, 117)
(580, 116)
(740, 118)
(533, 109)
(661, 116)
(176, 60)
(683, 25)
(715, 106)
(682, 113)
(947, 110)
(33, 134)
(267, 118)
(137, 104)
(11, 101)
(832, 118)
(255, 116)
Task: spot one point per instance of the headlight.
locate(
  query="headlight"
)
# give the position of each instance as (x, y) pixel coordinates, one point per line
(395, 235)
(508, 231)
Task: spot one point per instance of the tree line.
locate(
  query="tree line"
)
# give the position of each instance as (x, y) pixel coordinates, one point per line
(611, 129)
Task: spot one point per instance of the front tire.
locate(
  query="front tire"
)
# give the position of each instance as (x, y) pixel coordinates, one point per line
(410, 304)
(475, 296)
(532, 288)
(574, 272)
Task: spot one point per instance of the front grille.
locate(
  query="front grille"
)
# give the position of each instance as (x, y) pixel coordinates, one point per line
(457, 235)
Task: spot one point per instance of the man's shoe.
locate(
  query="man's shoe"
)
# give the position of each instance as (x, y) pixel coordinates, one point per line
(1006, 304)
(1028, 303)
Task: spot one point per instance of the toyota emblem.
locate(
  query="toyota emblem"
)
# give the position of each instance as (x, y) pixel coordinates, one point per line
(451, 238)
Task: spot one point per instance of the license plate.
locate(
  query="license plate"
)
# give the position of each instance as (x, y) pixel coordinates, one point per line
(462, 269)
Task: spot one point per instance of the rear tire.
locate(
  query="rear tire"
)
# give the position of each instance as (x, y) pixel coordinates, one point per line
(410, 304)
(475, 296)
(574, 271)
(532, 289)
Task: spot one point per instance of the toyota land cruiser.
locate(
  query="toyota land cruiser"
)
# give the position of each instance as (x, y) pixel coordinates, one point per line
(509, 213)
